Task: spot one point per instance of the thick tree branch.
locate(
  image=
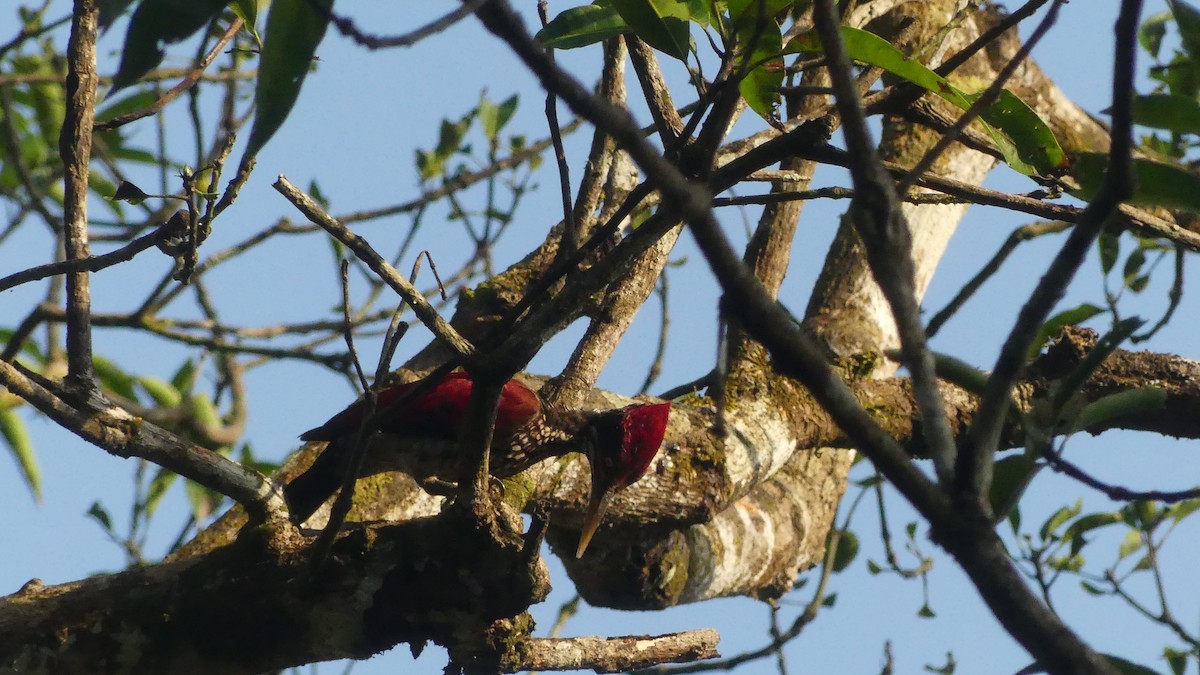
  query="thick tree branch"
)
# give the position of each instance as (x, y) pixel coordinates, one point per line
(75, 149)
(112, 428)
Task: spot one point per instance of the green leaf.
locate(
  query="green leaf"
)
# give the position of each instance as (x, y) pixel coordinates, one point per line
(1132, 542)
(873, 567)
(159, 485)
(747, 11)
(135, 101)
(1183, 509)
(1023, 138)
(582, 26)
(294, 29)
(1187, 18)
(202, 500)
(100, 515)
(662, 24)
(926, 612)
(1058, 518)
(1113, 406)
(1151, 32)
(1070, 317)
(113, 378)
(1085, 524)
(1158, 183)
(1109, 243)
(164, 394)
(1177, 659)
(493, 117)
(960, 373)
(185, 377)
(761, 47)
(1011, 476)
(204, 410)
(847, 550)
(157, 23)
(1092, 589)
(16, 437)
(247, 10)
(703, 12)
(1180, 114)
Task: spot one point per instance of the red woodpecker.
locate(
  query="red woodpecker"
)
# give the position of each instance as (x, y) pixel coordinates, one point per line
(619, 444)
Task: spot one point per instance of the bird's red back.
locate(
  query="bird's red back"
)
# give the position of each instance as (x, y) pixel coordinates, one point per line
(437, 409)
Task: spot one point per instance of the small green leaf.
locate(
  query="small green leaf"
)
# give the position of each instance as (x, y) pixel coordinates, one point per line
(1151, 32)
(1187, 18)
(1114, 406)
(135, 101)
(162, 393)
(1109, 244)
(1055, 324)
(204, 410)
(1183, 509)
(873, 567)
(1132, 542)
(100, 515)
(926, 612)
(1011, 476)
(159, 485)
(662, 24)
(760, 46)
(1177, 659)
(247, 10)
(829, 600)
(184, 378)
(1085, 524)
(1058, 518)
(582, 26)
(959, 373)
(294, 29)
(202, 500)
(1180, 114)
(157, 23)
(113, 378)
(748, 11)
(847, 550)
(493, 117)
(1158, 183)
(16, 437)
(1092, 589)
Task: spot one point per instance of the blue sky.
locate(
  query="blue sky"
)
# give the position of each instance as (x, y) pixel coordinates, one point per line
(354, 130)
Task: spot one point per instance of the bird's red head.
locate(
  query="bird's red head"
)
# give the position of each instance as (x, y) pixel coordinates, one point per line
(623, 443)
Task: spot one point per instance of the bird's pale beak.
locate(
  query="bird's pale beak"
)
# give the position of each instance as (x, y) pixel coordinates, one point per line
(597, 504)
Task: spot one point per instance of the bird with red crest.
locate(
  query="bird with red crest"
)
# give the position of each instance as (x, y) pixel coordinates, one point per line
(619, 444)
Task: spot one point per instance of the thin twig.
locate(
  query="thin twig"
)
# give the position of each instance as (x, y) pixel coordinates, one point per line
(185, 84)
(421, 307)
